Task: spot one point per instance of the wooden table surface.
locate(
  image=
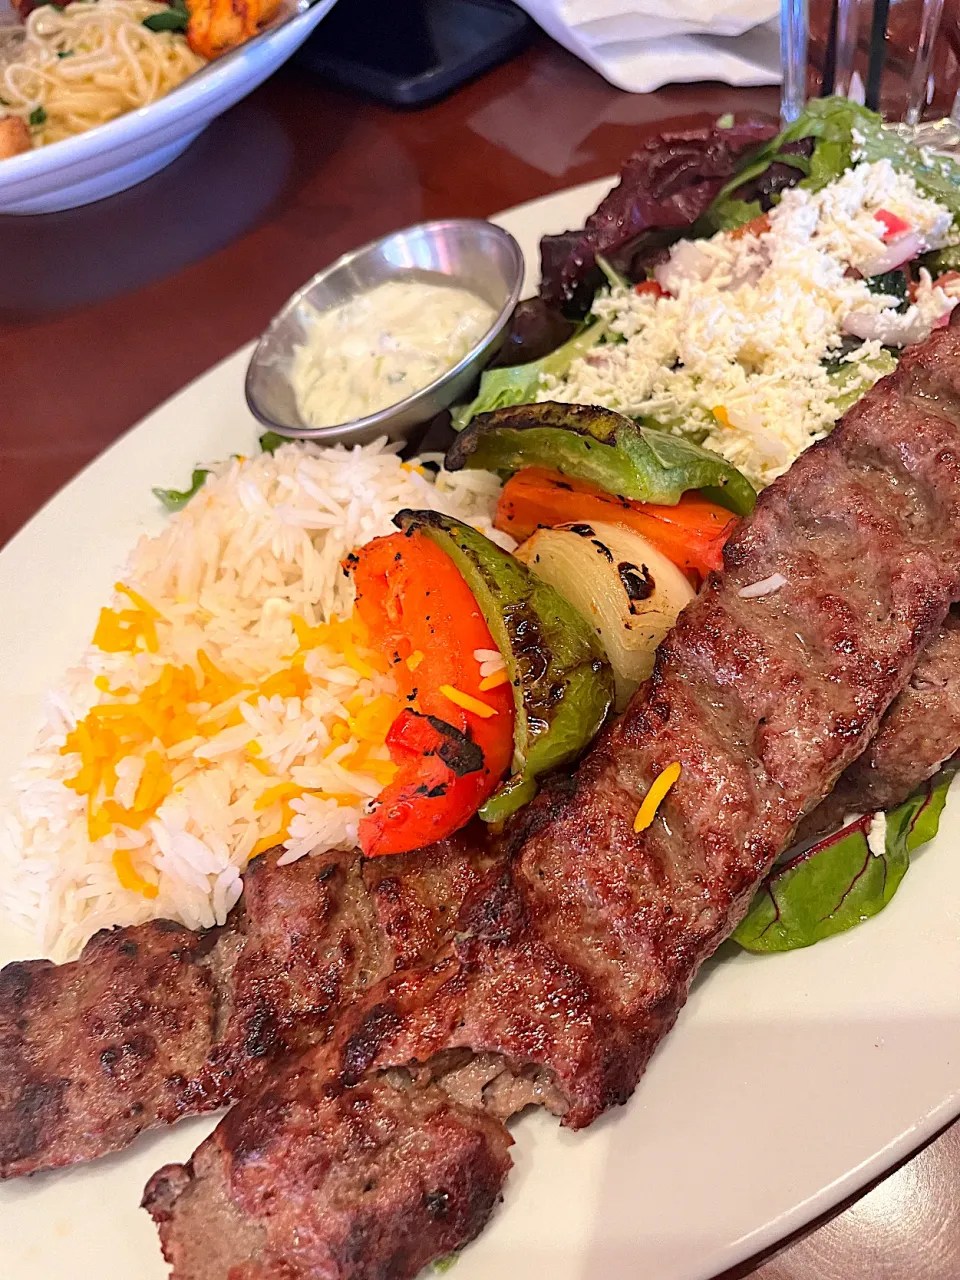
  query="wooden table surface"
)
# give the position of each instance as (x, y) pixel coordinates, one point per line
(107, 310)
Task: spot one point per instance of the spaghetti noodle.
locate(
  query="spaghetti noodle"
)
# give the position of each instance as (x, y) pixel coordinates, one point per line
(68, 70)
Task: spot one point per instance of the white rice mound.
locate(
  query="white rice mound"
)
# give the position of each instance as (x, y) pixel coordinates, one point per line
(261, 542)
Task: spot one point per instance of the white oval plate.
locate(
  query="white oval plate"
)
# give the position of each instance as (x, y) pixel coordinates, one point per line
(125, 151)
(788, 1083)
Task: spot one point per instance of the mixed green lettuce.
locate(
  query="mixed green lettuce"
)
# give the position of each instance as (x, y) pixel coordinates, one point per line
(177, 499)
(270, 442)
(519, 383)
(844, 134)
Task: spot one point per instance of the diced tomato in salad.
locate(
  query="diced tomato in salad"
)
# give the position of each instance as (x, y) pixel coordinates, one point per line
(893, 224)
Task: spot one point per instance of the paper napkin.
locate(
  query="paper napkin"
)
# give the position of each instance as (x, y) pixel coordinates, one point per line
(639, 45)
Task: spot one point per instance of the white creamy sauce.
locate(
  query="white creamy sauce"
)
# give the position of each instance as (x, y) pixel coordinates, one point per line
(383, 346)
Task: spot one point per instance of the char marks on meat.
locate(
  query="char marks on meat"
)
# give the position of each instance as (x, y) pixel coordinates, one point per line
(570, 964)
(155, 1022)
(92, 1053)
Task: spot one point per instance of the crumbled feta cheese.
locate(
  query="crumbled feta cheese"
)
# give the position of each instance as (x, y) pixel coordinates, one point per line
(736, 355)
(846, 226)
(877, 835)
(929, 310)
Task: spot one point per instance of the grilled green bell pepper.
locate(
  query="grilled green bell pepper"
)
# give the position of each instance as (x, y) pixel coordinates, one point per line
(603, 448)
(561, 679)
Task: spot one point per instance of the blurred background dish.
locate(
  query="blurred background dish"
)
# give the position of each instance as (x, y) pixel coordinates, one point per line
(113, 156)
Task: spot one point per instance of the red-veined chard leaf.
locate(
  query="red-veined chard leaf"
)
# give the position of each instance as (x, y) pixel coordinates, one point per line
(839, 882)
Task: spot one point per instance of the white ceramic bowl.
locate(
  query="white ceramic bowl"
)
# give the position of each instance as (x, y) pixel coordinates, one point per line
(124, 151)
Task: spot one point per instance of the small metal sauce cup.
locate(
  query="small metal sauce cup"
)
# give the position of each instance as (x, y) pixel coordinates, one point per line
(464, 252)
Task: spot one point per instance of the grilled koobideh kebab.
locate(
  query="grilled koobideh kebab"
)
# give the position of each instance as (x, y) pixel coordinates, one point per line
(376, 1020)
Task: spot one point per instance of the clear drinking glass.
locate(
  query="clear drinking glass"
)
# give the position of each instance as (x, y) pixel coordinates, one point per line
(901, 57)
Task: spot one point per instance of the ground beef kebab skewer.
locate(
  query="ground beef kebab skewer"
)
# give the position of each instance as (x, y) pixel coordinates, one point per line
(385, 1147)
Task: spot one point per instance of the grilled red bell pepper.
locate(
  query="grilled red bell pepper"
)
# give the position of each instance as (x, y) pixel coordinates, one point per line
(691, 533)
(423, 618)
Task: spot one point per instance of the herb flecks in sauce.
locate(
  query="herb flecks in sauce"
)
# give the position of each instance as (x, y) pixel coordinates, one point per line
(383, 346)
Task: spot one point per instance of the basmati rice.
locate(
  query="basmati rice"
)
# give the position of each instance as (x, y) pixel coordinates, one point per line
(246, 714)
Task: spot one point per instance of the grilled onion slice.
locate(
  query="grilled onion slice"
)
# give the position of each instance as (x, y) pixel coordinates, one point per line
(625, 588)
